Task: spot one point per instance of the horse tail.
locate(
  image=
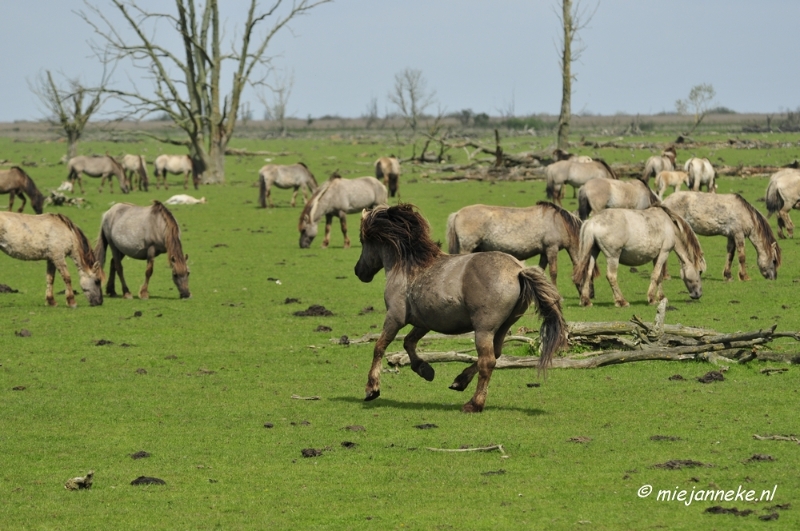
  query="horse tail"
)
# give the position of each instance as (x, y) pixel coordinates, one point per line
(773, 198)
(453, 245)
(536, 287)
(379, 170)
(648, 169)
(550, 188)
(581, 269)
(100, 247)
(608, 168)
(651, 195)
(37, 199)
(393, 178)
(262, 190)
(584, 206)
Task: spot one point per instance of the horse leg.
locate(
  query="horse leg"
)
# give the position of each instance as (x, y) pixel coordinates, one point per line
(186, 180)
(294, 196)
(343, 222)
(11, 201)
(117, 263)
(550, 258)
(726, 273)
(612, 264)
(587, 288)
(327, 239)
(61, 265)
(148, 272)
(656, 290)
(390, 329)
(51, 273)
(484, 342)
(418, 365)
(111, 290)
(789, 224)
(739, 240)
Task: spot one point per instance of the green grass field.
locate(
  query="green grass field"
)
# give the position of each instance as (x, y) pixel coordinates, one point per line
(194, 382)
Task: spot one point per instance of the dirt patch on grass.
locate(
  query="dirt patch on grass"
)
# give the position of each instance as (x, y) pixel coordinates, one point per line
(678, 464)
(5, 288)
(310, 452)
(147, 480)
(718, 509)
(711, 376)
(323, 328)
(141, 454)
(664, 438)
(315, 310)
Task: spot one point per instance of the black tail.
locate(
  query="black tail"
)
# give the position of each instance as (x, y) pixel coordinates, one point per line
(584, 207)
(537, 288)
(262, 191)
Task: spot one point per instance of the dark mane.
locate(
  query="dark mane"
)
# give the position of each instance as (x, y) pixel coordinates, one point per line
(761, 226)
(608, 168)
(172, 237)
(404, 230)
(314, 179)
(37, 199)
(84, 250)
(312, 201)
(571, 223)
(690, 238)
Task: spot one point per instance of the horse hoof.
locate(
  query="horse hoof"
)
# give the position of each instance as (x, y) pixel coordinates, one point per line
(623, 304)
(372, 395)
(127, 296)
(471, 407)
(424, 369)
(456, 386)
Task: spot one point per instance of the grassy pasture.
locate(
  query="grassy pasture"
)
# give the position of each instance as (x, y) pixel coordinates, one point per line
(194, 382)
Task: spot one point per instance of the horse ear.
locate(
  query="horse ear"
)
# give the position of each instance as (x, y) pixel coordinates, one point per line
(364, 213)
(186, 257)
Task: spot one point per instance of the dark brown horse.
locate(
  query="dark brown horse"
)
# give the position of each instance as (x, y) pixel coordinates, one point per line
(482, 292)
(16, 182)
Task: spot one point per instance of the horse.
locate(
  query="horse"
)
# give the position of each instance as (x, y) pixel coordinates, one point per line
(451, 294)
(573, 173)
(387, 169)
(659, 163)
(560, 154)
(135, 165)
(53, 237)
(183, 199)
(670, 178)
(15, 182)
(542, 229)
(600, 194)
(730, 215)
(338, 197)
(635, 237)
(176, 165)
(285, 176)
(783, 194)
(103, 167)
(700, 172)
(141, 233)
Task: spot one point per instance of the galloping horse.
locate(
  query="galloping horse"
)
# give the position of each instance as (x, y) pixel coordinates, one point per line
(482, 292)
(574, 173)
(543, 229)
(659, 163)
(730, 215)
(670, 178)
(176, 165)
(285, 176)
(135, 165)
(600, 194)
(338, 197)
(783, 194)
(103, 167)
(15, 182)
(53, 237)
(387, 169)
(635, 237)
(700, 172)
(141, 233)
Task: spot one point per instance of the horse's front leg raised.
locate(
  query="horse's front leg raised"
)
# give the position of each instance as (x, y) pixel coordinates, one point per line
(148, 272)
(612, 265)
(418, 365)
(484, 342)
(343, 222)
(390, 329)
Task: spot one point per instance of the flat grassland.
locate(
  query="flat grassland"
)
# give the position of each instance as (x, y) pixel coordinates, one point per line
(205, 385)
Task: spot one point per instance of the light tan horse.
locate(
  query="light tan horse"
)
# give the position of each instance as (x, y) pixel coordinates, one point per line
(15, 182)
(387, 169)
(295, 176)
(103, 167)
(542, 229)
(701, 173)
(633, 238)
(451, 294)
(575, 174)
(176, 165)
(730, 215)
(783, 194)
(600, 194)
(53, 237)
(142, 233)
(135, 166)
(670, 178)
(338, 197)
(659, 163)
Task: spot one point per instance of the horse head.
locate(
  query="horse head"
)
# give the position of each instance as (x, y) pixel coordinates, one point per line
(370, 262)
(91, 278)
(180, 275)
(119, 171)
(308, 230)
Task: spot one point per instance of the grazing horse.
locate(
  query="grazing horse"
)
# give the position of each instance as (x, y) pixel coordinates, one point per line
(15, 182)
(670, 178)
(452, 294)
(53, 237)
(700, 172)
(338, 197)
(387, 169)
(103, 167)
(176, 165)
(573, 173)
(135, 166)
(659, 163)
(600, 194)
(141, 233)
(635, 237)
(783, 194)
(543, 229)
(730, 215)
(285, 176)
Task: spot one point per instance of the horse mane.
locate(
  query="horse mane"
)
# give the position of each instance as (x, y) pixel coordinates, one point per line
(85, 252)
(404, 230)
(761, 226)
(690, 238)
(37, 199)
(172, 237)
(608, 168)
(314, 179)
(310, 208)
(571, 223)
(654, 200)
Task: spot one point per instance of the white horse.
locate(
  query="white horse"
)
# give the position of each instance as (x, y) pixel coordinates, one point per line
(176, 165)
(700, 172)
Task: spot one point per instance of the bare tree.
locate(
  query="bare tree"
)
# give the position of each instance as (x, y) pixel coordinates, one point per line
(275, 108)
(411, 96)
(573, 20)
(186, 81)
(69, 107)
(370, 115)
(698, 102)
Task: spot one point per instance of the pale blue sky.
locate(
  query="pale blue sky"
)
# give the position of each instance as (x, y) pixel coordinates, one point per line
(640, 55)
